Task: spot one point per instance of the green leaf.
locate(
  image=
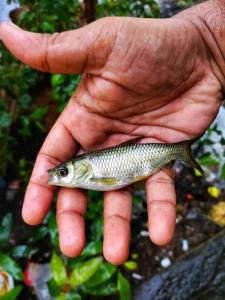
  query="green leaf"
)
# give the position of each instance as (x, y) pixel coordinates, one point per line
(73, 262)
(54, 289)
(124, 287)
(12, 295)
(137, 200)
(6, 227)
(105, 289)
(24, 126)
(130, 265)
(223, 172)
(222, 141)
(9, 265)
(92, 249)
(61, 297)
(52, 225)
(58, 270)
(57, 79)
(47, 27)
(69, 296)
(73, 296)
(104, 273)
(5, 119)
(39, 113)
(207, 160)
(25, 101)
(38, 234)
(84, 271)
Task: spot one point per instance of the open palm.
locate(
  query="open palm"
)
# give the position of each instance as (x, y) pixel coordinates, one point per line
(141, 77)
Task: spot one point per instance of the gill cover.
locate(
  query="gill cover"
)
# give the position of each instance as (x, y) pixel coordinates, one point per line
(82, 170)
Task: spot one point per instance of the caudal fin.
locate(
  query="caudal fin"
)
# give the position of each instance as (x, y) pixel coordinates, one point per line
(188, 157)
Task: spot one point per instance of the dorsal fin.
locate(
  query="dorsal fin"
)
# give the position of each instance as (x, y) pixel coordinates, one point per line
(131, 141)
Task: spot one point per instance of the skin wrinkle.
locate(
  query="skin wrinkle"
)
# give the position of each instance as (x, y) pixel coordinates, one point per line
(208, 42)
(91, 97)
(162, 104)
(170, 111)
(99, 110)
(87, 60)
(67, 129)
(65, 211)
(159, 136)
(176, 87)
(180, 55)
(126, 54)
(26, 52)
(186, 134)
(162, 180)
(219, 55)
(113, 43)
(104, 130)
(203, 22)
(118, 216)
(48, 42)
(50, 158)
(102, 35)
(164, 202)
(43, 185)
(118, 42)
(159, 111)
(84, 64)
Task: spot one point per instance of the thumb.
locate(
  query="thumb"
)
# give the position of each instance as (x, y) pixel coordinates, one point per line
(73, 51)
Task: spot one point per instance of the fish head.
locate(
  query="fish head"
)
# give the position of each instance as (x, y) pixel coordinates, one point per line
(70, 174)
(61, 175)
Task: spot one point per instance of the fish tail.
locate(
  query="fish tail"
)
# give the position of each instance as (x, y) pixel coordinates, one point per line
(188, 157)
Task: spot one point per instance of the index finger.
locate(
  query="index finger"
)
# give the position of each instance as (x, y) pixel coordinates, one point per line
(58, 146)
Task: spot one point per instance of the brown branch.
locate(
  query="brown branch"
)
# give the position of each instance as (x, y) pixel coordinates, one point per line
(89, 10)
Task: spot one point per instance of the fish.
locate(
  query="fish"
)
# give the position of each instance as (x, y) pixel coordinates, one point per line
(119, 166)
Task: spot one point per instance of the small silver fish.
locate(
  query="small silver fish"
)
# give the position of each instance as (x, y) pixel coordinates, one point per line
(116, 167)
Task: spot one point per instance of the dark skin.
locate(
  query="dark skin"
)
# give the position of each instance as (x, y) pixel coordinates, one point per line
(147, 78)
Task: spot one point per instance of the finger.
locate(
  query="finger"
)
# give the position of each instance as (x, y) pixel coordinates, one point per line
(117, 217)
(71, 207)
(68, 52)
(161, 199)
(58, 146)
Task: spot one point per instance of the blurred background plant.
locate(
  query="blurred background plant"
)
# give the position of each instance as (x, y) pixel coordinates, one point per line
(30, 102)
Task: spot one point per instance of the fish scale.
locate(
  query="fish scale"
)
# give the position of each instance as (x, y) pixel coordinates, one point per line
(115, 167)
(131, 160)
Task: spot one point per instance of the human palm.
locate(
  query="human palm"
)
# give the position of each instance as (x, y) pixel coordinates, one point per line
(141, 78)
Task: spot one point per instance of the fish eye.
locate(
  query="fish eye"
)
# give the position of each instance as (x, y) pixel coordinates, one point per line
(63, 171)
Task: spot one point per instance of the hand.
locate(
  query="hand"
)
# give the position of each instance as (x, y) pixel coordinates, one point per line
(141, 77)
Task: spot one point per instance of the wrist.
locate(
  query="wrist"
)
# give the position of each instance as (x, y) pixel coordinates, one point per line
(209, 20)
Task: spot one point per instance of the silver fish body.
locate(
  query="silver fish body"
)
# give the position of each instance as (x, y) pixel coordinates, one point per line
(116, 167)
